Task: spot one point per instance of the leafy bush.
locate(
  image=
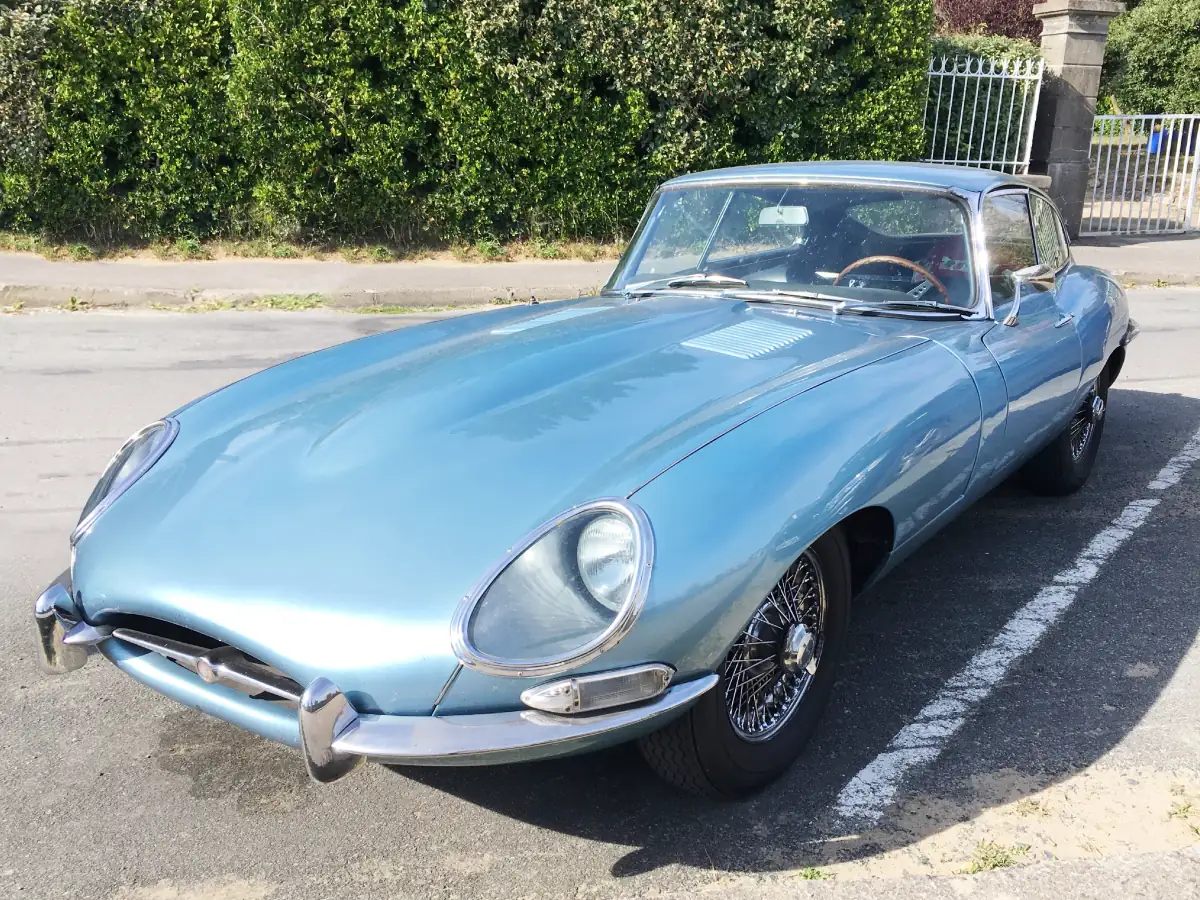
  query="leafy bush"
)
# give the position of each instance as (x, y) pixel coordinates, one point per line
(23, 29)
(988, 46)
(439, 120)
(137, 137)
(1007, 18)
(1153, 60)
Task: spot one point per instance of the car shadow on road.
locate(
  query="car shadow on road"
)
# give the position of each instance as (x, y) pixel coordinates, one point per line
(1062, 709)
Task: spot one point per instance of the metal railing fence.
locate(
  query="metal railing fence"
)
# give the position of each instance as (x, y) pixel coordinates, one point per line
(980, 112)
(1143, 175)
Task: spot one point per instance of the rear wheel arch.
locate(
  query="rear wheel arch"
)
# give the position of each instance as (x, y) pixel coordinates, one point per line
(1114, 365)
(870, 536)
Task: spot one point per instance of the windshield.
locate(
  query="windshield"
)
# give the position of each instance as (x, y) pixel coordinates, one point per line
(803, 239)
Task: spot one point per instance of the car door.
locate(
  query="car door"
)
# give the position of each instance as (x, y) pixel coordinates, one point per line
(1039, 354)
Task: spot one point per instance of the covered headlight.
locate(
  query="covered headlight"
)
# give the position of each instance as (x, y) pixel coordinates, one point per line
(130, 463)
(561, 597)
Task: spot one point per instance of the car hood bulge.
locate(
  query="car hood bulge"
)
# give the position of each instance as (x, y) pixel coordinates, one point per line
(327, 514)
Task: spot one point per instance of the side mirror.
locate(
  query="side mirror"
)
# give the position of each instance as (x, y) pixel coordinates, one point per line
(1040, 275)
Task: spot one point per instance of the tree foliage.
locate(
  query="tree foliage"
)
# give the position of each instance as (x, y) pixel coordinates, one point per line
(1152, 63)
(429, 120)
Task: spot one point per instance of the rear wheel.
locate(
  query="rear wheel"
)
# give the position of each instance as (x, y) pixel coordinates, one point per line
(1063, 465)
(773, 685)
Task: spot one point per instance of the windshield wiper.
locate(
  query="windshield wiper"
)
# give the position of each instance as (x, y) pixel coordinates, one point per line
(818, 300)
(812, 299)
(911, 304)
(696, 279)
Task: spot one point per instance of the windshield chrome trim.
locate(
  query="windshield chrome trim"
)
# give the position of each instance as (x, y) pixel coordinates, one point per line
(971, 202)
(473, 658)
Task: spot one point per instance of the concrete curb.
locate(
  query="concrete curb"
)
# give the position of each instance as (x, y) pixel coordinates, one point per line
(33, 282)
(57, 297)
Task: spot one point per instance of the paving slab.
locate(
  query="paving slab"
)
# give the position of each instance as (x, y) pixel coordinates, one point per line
(1168, 260)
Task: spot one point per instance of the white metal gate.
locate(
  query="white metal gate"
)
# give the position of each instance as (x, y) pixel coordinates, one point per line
(980, 112)
(1143, 175)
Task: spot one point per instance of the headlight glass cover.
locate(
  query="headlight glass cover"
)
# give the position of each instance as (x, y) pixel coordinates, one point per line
(130, 463)
(561, 597)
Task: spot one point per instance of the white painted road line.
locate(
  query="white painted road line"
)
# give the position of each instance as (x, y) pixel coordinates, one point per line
(919, 743)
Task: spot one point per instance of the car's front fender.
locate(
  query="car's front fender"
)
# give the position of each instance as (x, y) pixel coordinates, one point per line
(901, 433)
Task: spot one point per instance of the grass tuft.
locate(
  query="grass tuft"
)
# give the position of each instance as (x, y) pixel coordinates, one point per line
(989, 855)
(812, 873)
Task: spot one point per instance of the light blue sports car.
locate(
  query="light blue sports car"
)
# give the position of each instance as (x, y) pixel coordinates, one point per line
(641, 515)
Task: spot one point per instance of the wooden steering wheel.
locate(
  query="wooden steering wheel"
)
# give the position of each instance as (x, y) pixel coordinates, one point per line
(907, 263)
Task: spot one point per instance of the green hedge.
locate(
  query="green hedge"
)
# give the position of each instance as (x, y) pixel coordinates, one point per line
(432, 120)
(1152, 63)
(989, 46)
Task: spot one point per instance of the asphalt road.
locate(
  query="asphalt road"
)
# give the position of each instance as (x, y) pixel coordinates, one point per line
(1083, 763)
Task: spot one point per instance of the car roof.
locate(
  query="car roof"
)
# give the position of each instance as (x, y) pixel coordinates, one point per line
(964, 178)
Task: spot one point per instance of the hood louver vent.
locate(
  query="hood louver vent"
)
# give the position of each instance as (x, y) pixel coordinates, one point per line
(748, 340)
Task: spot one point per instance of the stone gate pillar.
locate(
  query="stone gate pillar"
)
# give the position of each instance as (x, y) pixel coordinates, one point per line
(1074, 34)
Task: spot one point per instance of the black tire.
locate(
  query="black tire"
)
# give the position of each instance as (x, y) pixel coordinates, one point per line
(702, 752)
(1062, 467)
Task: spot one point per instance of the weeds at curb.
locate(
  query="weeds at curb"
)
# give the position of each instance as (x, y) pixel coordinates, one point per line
(989, 855)
(812, 873)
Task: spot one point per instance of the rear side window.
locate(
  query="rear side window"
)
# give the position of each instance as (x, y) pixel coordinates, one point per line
(1051, 248)
(1008, 234)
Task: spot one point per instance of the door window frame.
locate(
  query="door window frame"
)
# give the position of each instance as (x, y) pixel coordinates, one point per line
(1063, 243)
(1000, 191)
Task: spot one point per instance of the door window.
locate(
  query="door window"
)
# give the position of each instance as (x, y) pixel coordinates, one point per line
(1051, 248)
(1008, 234)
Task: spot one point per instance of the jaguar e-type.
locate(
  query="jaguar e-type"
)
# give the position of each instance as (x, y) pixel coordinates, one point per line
(547, 528)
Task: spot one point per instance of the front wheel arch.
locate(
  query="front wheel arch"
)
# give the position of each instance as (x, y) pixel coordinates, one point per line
(703, 752)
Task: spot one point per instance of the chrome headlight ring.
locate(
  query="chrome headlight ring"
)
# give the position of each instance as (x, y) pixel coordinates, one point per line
(151, 442)
(623, 617)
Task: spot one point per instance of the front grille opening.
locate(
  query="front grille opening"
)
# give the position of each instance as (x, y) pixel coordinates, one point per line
(201, 654)
(163, 629)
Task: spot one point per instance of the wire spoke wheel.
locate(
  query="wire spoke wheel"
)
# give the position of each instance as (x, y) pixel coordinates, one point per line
(1084, 423)
(773, 661)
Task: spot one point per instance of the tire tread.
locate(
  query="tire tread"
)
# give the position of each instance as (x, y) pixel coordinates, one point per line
(671, 753)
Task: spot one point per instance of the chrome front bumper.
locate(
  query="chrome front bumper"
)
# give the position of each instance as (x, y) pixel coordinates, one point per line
(332, 736)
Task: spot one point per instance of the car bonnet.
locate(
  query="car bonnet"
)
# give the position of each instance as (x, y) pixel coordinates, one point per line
(328, 514)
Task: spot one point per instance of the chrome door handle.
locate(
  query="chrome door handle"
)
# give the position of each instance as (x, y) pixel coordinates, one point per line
(1064, 320)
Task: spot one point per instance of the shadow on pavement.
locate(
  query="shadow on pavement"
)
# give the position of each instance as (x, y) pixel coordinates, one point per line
(1063, 708)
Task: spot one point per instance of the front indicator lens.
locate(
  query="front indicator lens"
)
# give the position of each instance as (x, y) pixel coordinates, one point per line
(592, 693)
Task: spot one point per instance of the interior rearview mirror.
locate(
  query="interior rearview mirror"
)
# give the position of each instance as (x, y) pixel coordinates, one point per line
(784, 215)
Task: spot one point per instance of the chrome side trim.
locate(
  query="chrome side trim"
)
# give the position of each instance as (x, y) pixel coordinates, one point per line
(50, 615)
(325, 714)
(484, 737)
(120, 487)
(221, 665)
(622, 623)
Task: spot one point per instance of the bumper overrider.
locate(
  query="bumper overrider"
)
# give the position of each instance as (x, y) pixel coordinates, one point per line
(319, 720)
